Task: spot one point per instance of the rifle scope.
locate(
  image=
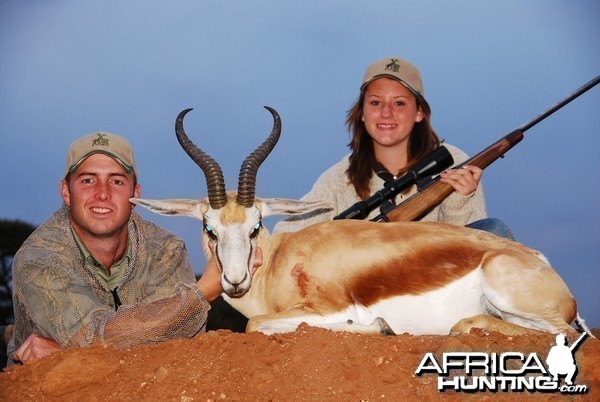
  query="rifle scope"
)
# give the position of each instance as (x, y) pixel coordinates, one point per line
(432, 164)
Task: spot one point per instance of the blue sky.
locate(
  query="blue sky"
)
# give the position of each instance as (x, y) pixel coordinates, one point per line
(70, 67)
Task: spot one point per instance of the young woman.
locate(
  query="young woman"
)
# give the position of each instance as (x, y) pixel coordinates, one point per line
(391, 132)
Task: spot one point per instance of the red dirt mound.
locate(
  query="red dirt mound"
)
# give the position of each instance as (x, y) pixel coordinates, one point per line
(309, 364)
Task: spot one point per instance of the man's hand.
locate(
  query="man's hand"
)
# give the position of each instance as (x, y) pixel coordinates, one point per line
(35, 347)
(210, 281)
(258, 259)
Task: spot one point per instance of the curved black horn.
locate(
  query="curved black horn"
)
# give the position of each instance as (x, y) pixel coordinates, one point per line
(215, 183)
(249, 169)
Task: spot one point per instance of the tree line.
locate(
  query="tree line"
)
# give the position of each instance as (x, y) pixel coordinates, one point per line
(12, 235)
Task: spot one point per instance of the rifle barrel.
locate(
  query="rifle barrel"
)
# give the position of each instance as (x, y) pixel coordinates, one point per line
(420, 203)
(560, 104)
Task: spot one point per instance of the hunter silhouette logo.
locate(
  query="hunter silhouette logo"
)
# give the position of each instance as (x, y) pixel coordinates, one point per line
(101, 141)
(393, 66)
(560, 359)
(506, 371)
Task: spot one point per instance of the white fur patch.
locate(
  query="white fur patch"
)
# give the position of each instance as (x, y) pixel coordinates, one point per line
(416, 315)
(437, 312)
(362, 321)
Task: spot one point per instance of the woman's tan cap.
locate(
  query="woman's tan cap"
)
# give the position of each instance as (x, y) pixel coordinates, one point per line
(400, 70)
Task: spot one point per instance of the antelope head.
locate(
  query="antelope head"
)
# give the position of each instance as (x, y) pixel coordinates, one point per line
(231, 221)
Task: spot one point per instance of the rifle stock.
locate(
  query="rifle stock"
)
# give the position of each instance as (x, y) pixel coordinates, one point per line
(422, 202)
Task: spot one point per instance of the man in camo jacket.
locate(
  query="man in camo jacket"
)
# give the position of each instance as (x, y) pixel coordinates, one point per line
(97, 272)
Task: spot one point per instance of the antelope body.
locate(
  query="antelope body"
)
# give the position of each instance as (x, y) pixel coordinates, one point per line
(415, 277)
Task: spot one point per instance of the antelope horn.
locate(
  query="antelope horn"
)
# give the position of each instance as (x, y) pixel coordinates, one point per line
(215, 183)
(249, 169)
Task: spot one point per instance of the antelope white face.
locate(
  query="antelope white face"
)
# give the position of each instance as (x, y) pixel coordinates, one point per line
(231, 235)
(231, 232)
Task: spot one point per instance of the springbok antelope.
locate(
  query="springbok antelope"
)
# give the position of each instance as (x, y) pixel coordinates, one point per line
(362, 276)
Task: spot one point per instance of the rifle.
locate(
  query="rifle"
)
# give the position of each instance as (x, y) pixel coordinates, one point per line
(420, 175)
(435, 191)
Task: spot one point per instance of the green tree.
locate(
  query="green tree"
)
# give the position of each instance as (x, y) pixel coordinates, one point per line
(12, 235)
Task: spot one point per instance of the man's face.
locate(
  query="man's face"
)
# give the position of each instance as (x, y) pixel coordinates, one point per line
(98, 193)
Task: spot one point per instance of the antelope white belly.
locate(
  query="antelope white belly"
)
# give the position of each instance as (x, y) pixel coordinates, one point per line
(434, 312)
(361, 321)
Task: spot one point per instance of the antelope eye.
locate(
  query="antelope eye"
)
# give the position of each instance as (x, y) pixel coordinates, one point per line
(209, 231)
(255, 230)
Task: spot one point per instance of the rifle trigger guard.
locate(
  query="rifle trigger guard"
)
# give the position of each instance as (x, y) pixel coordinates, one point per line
(384, 208)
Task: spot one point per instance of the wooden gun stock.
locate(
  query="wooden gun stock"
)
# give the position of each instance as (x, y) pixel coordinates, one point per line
(419, 204)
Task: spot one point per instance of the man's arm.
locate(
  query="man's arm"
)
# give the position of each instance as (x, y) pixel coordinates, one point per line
(37, 346)
(164, 304)
(177, 316)
(210, 281)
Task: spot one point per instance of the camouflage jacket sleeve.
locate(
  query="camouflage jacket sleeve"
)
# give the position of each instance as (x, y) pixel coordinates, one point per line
(57, 296)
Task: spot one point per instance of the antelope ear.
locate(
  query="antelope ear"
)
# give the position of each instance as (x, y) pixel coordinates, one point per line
(283, 206)
(174, 207)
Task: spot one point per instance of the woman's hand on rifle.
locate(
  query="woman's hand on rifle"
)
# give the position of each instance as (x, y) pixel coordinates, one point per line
(464, 179)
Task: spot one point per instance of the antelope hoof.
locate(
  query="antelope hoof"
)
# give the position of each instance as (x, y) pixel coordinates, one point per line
(384, 328)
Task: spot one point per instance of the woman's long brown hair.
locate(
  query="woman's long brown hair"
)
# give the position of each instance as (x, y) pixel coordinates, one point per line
(421, 142)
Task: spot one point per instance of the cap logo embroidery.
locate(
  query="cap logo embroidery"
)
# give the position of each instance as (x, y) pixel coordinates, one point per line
(393, 66)
(100, 141)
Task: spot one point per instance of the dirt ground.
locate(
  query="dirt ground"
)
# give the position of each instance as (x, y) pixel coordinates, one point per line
(307, 365)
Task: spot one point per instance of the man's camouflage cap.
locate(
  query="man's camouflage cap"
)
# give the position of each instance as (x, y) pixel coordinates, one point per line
(101, 142)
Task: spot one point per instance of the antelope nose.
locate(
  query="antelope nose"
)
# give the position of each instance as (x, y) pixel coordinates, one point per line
(235, 284)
